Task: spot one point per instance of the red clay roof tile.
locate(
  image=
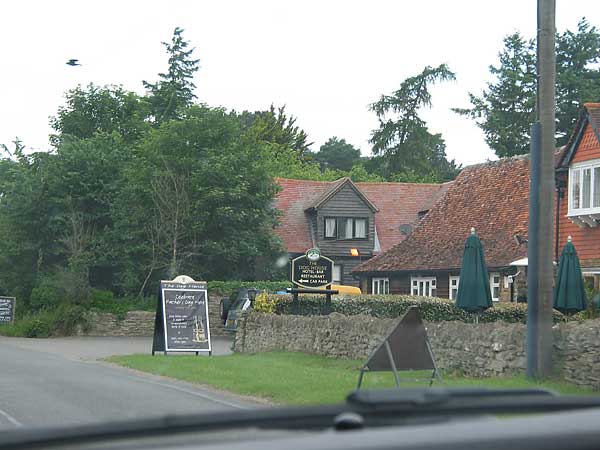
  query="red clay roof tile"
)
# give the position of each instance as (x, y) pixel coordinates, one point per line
(398, 204)
(492, 197)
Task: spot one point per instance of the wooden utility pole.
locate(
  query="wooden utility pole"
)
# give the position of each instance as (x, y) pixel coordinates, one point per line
(540, 271)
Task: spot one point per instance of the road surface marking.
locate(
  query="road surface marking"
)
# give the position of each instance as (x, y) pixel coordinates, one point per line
(189, 391)
(10, 418)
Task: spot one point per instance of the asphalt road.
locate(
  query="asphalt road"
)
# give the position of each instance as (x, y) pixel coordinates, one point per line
(61, 382)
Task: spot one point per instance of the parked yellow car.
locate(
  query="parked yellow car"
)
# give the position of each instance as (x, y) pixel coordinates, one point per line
(346, 290)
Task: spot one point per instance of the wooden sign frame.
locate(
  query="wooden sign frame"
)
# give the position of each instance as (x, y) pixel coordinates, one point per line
(200, 328)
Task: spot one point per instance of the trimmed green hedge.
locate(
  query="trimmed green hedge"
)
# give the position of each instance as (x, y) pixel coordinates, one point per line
(226, 288)
(391, 306)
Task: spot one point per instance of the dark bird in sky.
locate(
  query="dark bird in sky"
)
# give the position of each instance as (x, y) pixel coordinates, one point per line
(73, 62)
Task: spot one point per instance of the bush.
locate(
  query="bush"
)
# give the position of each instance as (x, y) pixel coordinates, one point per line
(105, 301)
(264, 303)
(226, 288)
(62, 321)
(391, 306)
(44, 297)
(57, 288)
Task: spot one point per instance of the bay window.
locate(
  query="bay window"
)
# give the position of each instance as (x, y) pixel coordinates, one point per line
(584, 192)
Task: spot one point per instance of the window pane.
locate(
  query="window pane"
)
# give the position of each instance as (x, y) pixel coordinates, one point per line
(576, 174)
(337, 274)
(433, 292)
(453, 293)
(341, 228)
(596, 187)
(386, 286)
(349, 228)
(586, 195)
(329, 228)
(360, 230)
(496, 292)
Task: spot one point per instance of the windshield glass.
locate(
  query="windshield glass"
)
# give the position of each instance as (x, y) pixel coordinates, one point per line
(358, 182)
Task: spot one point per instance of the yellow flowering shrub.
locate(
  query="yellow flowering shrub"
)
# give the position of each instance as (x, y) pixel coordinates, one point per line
(263, 303)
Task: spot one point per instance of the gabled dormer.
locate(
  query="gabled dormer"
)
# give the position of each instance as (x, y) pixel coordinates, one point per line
(343, 218)
(581, 163)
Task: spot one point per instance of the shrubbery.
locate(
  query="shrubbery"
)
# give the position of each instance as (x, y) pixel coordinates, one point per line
(62, 321)
(105, 301)
(226, 288)
(391, 306)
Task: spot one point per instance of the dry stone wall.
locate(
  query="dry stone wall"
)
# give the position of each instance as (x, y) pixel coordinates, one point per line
(141, 323)
(483, 349)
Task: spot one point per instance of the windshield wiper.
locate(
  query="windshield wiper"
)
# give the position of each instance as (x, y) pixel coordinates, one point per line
(366, 408)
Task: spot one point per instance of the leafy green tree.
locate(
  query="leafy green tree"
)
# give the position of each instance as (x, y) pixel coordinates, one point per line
(275, 127)
(506, 108)
(337, 154)
(96, 109)
(577, 75)
(403, 139)
(175, 89)
(199, 195)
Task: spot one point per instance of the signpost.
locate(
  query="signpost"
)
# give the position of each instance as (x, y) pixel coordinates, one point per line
(312, 270)
(312, 273)
(181, 322)
(7, 309)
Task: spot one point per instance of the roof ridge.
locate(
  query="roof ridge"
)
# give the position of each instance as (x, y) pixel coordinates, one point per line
(403, 183)
(496, 162)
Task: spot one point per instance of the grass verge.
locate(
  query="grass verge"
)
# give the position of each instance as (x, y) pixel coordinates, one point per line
(298, 378)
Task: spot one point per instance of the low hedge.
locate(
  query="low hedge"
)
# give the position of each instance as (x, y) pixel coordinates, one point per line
(391, 306)
(62, 321)
(226, 288)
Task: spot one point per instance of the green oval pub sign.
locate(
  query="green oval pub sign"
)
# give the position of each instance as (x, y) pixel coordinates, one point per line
(312, 270)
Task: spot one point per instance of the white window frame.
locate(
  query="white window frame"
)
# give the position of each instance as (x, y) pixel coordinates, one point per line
(414, 289)
(341, 269)
(348, 227)
(580, 167)
(380, 285)
(334, 235)
(493, 285)
(452, 278)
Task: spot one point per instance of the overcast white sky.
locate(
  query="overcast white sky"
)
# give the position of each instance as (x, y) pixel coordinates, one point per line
(325, 60)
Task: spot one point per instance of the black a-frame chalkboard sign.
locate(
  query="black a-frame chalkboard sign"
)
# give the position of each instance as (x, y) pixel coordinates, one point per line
(181, 322)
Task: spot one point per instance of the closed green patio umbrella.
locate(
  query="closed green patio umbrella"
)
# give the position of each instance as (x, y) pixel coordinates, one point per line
(474, 293)
(569, 294)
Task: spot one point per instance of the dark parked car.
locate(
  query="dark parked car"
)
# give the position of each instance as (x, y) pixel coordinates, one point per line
(239, 301)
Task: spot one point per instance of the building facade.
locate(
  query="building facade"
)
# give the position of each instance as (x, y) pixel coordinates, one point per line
(493, 198)
(350, 222)
(578, 185)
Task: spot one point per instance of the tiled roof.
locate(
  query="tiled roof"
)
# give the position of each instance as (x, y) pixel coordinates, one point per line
(492, 197)
(594, 114)
(398, 204)
(335, 187)
(293, 199)
(590, 113)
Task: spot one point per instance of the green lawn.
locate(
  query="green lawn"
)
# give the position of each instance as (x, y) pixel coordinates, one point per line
(297, 378)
